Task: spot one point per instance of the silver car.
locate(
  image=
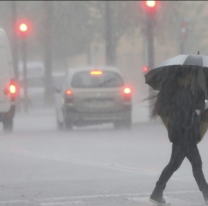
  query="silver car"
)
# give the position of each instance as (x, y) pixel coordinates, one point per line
(93, 96)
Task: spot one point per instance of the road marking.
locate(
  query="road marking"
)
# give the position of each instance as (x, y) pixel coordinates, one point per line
(61, 203)
(139, 199)
(97, 164)
(183, 201)
(14, 201)
(146, 199)
(88, 197)
(83, 162)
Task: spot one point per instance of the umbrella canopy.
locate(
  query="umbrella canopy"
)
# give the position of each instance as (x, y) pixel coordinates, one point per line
(167, 69)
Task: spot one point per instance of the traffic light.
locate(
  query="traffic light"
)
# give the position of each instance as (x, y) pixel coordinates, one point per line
(150, 6)
(23, 28)
(145, 69)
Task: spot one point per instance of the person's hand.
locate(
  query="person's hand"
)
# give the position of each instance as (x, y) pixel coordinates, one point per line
(206, 104)
(198, 112)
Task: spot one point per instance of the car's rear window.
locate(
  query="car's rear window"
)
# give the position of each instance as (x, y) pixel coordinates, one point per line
(105, 80)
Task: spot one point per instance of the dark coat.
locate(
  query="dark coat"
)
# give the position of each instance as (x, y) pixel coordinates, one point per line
(184, 122)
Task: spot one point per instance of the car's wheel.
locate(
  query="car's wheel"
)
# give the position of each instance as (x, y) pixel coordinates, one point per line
(68, 125)
(8, 124)
(127, 124)
(60, 125)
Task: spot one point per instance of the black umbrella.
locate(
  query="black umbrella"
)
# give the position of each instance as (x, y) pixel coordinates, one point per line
(167, 69)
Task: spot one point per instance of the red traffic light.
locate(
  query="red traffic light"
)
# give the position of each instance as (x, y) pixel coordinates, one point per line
(23, 28)
(145, 69)
(127, 90)
(150, 6)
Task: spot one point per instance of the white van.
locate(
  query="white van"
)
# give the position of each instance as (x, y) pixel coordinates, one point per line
(8, 85)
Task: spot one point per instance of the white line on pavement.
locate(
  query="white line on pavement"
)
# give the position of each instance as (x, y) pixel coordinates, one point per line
(97, 164)
(46, 200)
(61, 203)
(82, 162)
(183, 201)
(146, 199)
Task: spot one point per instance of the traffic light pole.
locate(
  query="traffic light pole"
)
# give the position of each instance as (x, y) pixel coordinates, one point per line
(150, 52)
(24, 58)
(182, 47)
(150, 42)
(14, 40)
(150, 8)
(183, 35)
(48, 22)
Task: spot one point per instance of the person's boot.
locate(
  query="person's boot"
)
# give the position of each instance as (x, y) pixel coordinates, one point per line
(157, 198)
(205, 194)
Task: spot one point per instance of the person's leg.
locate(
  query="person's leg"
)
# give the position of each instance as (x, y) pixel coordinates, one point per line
(194, 157)
(176, 159)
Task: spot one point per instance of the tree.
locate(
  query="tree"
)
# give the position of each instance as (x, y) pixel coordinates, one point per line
(72, 31)
(128, 19)
(113, 20)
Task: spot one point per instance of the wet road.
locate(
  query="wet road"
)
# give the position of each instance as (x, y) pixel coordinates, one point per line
(93, 166)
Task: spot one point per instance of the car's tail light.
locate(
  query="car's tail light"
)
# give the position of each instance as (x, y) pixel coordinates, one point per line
(68, 96)
(96, 72)
(127, 94)
(68, 92)
(12, 89)
(127, 91)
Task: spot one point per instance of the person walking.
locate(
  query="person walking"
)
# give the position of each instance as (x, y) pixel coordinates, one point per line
(182, 102)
